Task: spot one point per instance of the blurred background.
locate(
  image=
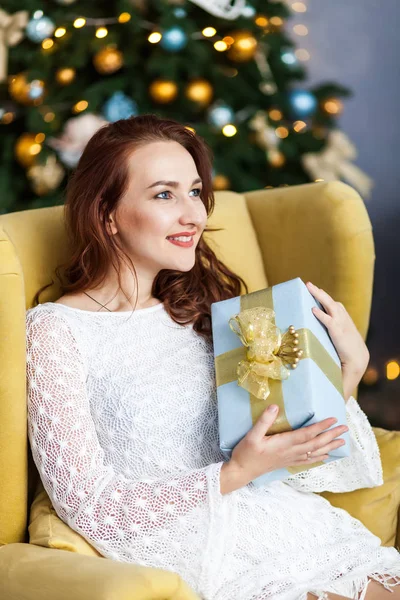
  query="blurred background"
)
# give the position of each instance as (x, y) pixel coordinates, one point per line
(359, 45)
(284, 92)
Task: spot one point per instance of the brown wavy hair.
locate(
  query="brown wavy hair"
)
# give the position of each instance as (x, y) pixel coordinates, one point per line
(93, 192)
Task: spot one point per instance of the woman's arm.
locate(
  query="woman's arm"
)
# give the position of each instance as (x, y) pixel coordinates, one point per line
(114, 513)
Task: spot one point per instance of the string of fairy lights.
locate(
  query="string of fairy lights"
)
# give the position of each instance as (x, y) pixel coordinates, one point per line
(110, 59)
(391, 373)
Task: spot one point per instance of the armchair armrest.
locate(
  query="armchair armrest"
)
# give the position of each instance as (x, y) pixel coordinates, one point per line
(378, 507)
(320, 232)
(29, 572)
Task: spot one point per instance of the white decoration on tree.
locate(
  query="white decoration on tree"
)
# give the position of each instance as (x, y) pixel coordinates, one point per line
(11, 33)
(333, 163)
(77, 133)
(222, 8)
(265, 134)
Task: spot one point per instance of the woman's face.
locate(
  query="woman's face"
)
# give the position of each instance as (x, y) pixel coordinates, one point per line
(151, 211)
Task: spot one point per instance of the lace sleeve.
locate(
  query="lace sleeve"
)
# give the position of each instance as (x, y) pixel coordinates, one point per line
(362, 469)
(114, 513)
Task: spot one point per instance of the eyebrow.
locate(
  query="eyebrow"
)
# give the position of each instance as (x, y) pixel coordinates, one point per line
(171, 183)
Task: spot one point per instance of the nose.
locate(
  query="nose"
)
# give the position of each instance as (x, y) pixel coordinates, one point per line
(192, 214)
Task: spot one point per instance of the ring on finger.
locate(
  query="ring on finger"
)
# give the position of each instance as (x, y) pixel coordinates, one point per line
(308, 455)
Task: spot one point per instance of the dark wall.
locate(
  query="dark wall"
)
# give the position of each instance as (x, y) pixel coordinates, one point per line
(357, 43)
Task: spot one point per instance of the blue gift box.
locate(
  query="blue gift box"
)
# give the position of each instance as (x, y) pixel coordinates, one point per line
(311, 393)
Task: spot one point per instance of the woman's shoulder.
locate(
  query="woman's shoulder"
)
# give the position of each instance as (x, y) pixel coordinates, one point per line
(54, 323)
(57, 311)
(74, 301)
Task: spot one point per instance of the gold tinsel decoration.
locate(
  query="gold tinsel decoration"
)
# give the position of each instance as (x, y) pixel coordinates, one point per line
(276, 158)
(108, 60)
(200, 91)
(27, 148)
(243, 47)
(65, 75)
(46, 178)
(163, 90)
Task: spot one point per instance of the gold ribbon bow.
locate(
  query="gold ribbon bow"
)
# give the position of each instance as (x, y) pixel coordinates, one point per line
(269, 352)
(260, 364)
(11, 34)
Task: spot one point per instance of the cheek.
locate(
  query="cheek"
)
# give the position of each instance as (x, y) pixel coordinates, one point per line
(150, 228)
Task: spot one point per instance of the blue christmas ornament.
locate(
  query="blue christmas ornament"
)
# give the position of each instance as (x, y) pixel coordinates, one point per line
(180, 13)
(221, 115)
(289, 57)
(119, 106)
(173, 39)
(36, 89)
(39, 27)
(303, 102)
(248, 11)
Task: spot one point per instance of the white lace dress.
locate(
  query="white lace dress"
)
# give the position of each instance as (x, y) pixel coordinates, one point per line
(123, 426)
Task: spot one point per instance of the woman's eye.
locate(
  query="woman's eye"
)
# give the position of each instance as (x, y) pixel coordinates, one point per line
(158, 195)
(167, 192)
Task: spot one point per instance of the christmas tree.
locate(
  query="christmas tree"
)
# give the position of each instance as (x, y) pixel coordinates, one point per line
(227, 70)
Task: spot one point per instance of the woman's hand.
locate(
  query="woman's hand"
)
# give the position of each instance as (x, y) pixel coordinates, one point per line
(258, 453)
(352, 351)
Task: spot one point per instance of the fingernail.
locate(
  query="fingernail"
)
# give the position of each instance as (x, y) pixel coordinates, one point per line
(273, 408)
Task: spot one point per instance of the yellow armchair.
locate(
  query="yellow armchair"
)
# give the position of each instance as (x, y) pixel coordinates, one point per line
(319, 232)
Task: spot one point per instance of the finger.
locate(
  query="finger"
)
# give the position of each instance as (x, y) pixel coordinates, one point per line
(310, 461)
(308, 432)
(327, 302)
(322, 441)
(321, 315)
(263, 423)
(325, 449)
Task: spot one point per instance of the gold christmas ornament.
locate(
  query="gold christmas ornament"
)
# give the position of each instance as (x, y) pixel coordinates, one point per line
(65, 75)
(200, 91)
(18, 88)
(27, 148)
(221, 182)
(243, 47)
(24, 91)
(46, 178)
(163, 90)
(108, 60)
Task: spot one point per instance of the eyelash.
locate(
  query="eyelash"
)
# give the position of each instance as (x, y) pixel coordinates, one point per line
(168, 192)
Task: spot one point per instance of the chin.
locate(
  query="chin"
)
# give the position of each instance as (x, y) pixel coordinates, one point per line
(181, 267)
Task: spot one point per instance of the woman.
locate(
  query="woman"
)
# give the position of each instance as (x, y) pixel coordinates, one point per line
(122, 403)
